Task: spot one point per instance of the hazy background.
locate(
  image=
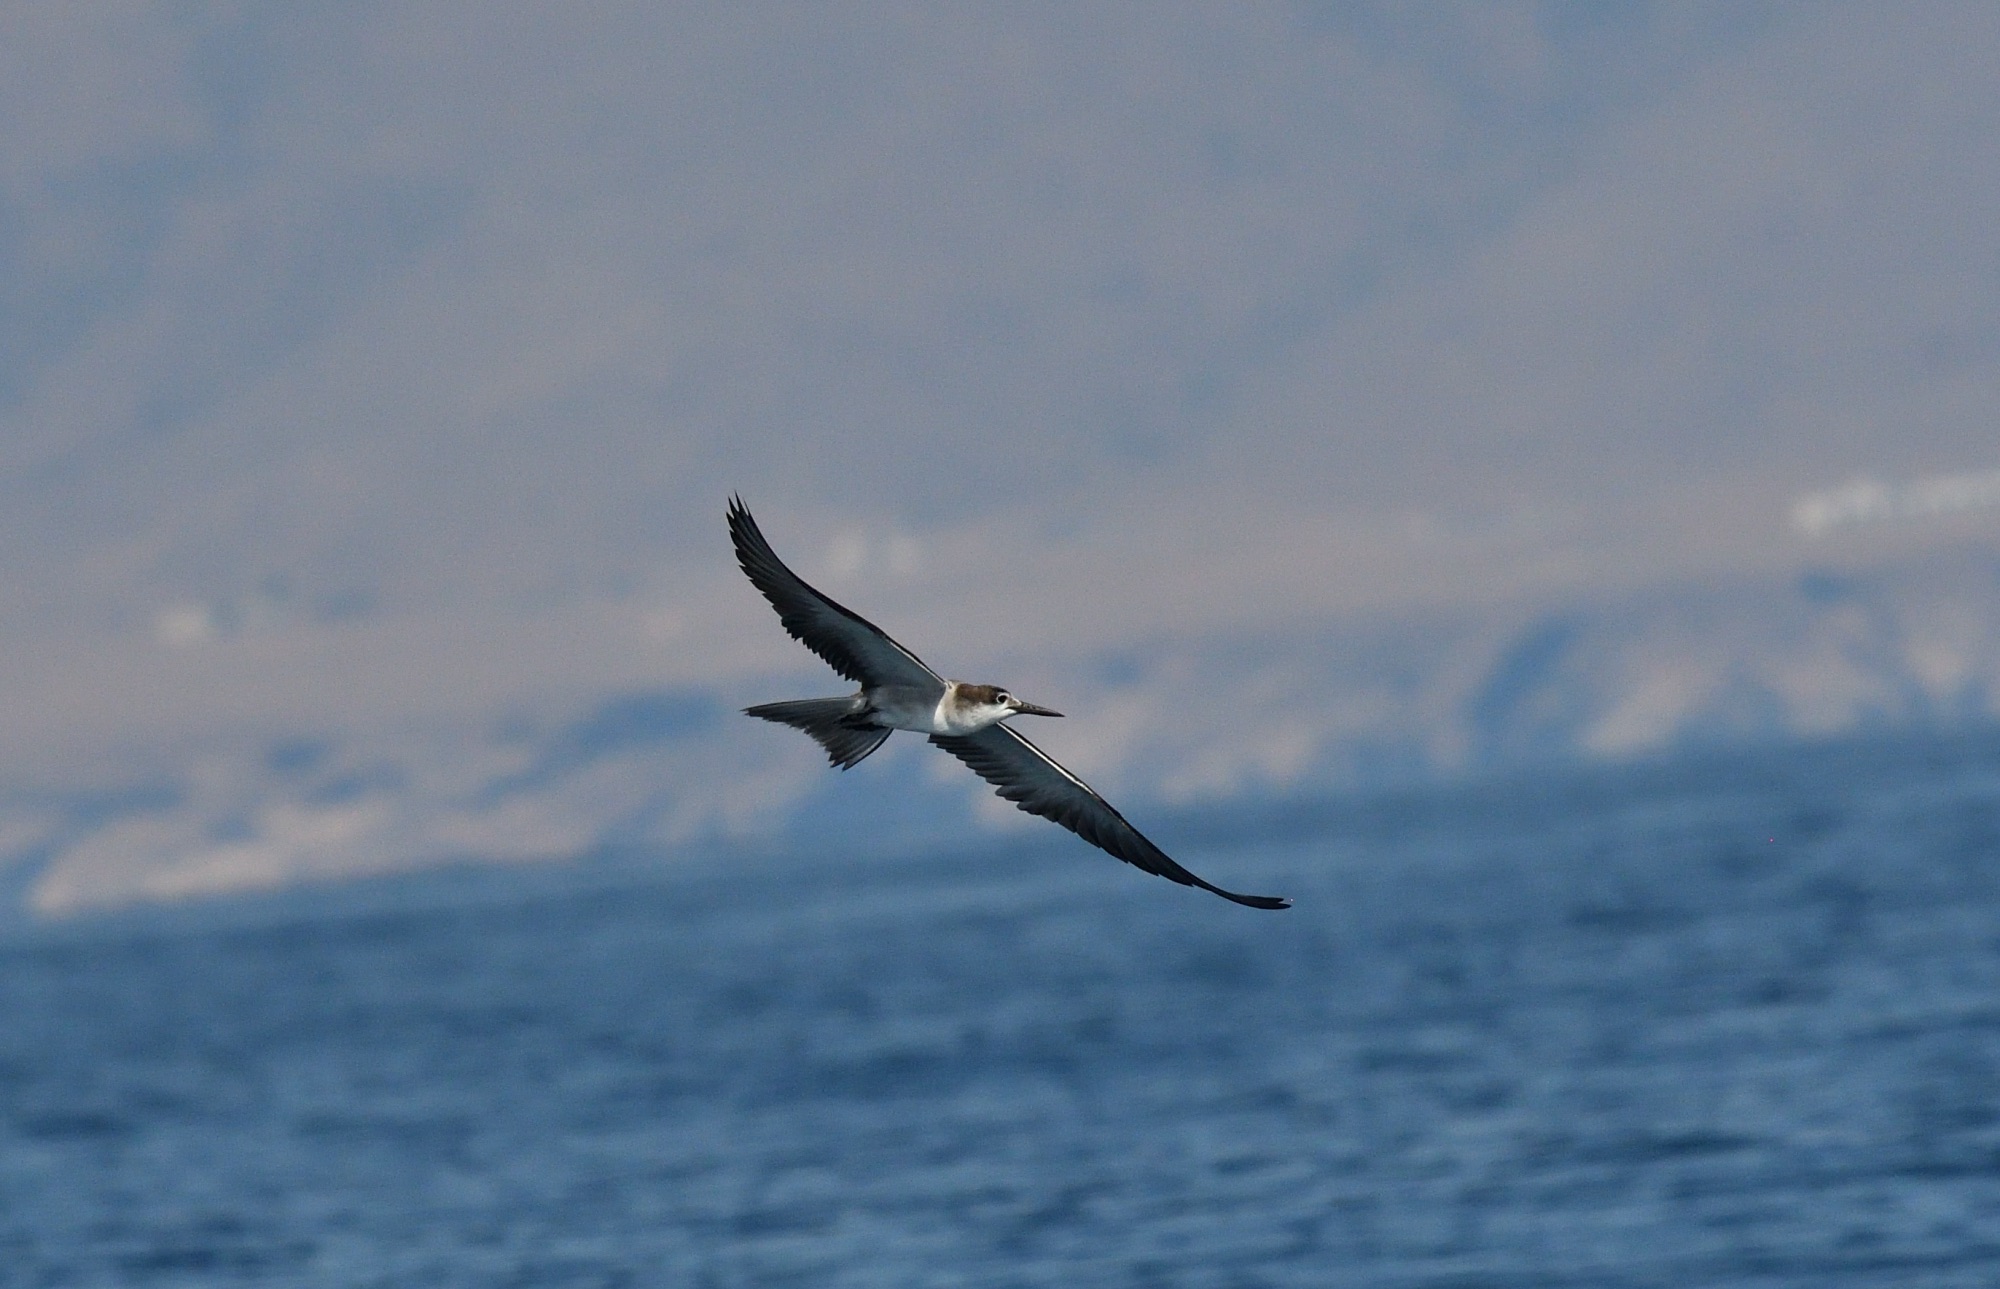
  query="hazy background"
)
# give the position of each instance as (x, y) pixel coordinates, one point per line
(1300, 396)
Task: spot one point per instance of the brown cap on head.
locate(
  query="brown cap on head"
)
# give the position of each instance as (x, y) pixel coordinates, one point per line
(979, 693)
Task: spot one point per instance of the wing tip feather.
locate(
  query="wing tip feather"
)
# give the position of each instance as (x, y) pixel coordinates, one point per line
(1257, 901)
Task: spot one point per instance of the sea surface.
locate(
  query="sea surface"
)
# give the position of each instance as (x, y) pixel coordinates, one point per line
(1719, 1021)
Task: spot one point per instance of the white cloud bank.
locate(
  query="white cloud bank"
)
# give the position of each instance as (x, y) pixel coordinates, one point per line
(1867, 501)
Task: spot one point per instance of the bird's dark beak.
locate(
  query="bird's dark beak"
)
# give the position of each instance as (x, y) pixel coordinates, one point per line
(1029, 709)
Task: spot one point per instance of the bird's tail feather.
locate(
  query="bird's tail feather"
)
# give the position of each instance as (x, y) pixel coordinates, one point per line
(828, 721)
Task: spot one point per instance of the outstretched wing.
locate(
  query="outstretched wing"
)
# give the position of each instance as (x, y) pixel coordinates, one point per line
(1032, 780)
(851, 645)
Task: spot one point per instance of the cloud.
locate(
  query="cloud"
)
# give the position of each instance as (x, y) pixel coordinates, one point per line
(1868, 501)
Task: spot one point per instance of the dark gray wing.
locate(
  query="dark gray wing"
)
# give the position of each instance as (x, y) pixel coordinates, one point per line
(1031, 779)
(851, 645)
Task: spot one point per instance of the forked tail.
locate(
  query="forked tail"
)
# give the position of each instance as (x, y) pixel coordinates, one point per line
(830, 722)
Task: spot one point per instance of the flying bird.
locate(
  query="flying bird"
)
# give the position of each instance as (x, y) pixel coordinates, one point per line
(898, 692)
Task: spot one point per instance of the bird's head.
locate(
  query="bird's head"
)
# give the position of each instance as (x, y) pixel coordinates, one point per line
(983, 705)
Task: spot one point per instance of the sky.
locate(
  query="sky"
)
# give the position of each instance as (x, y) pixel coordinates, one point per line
(372, 377)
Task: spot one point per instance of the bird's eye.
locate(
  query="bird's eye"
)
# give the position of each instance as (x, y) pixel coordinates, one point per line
(1004, 697)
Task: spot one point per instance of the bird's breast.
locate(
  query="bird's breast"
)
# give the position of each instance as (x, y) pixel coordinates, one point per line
(897, 708)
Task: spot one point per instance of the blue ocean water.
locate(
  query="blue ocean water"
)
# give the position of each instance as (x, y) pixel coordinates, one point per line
(1732, 1021)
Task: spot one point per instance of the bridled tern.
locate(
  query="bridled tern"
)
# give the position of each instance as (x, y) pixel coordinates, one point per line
(898, 692)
